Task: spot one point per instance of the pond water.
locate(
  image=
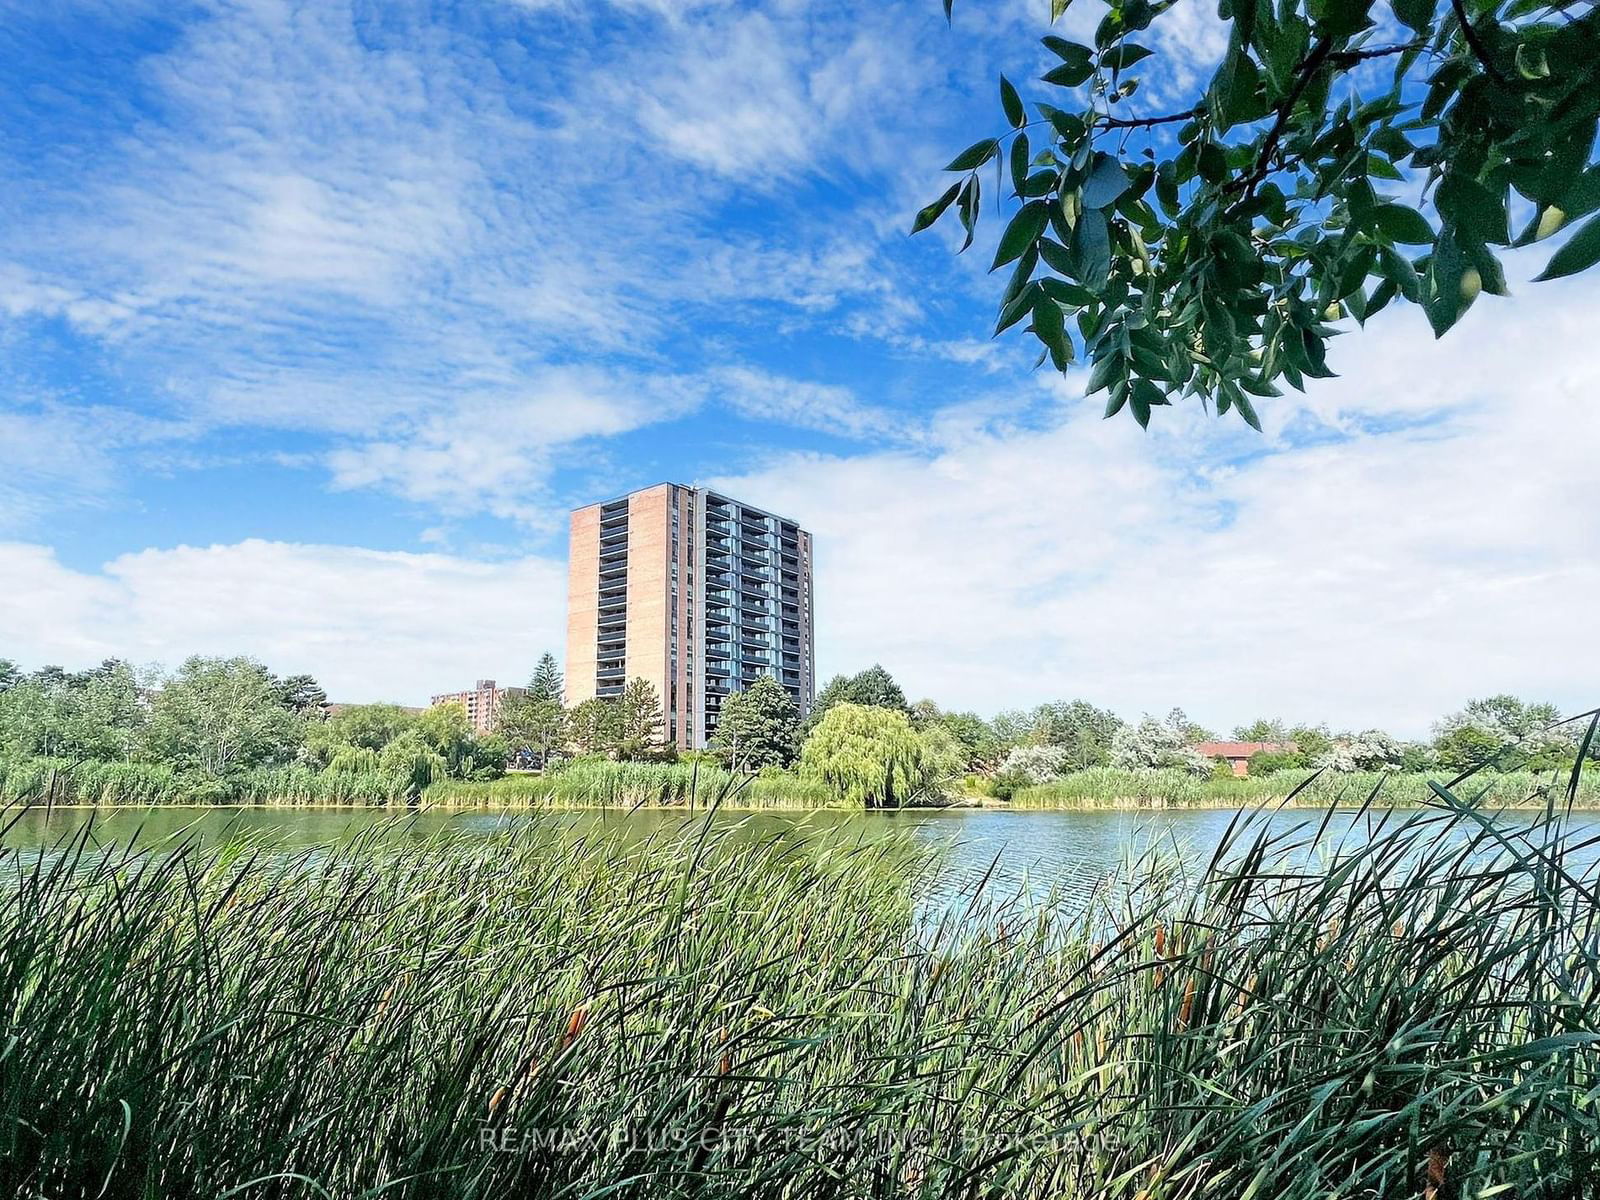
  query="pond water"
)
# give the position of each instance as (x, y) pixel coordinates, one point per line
(1027, 852)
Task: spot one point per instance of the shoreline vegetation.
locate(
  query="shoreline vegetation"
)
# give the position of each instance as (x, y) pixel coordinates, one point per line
(601, 784)
(228, 731)
(549, 1011)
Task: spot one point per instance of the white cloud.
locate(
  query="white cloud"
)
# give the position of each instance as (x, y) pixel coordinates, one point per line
(1374, 578)
(368, 624)
(829, 408)
(495, 451)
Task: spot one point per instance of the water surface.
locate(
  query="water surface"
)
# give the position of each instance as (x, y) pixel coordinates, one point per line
(1034, 852)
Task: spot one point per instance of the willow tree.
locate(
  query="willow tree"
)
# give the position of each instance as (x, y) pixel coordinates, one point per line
(868, 755)
(1207, 248)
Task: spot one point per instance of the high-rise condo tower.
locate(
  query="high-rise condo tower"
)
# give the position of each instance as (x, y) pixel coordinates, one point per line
(694, 591)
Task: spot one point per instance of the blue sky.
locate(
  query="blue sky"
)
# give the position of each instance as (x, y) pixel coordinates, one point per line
(315, 319)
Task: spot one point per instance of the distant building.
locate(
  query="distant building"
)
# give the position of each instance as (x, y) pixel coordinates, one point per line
(1238, 754)
(482, 702)
(693, 591)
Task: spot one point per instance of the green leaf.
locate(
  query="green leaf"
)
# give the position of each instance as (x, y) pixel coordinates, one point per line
(1579, 254)
(1167, 189)
(1213, 163)
(1443, 300)
(1240, 98)
(1247, 411)
(1091, 249)
(1040, 183)
(1418, 14)
(935, 210)
(1012, 103)
(1066, 51)
(1107, 181)
(1397, 269)
(1106, 371)
(1016, 308)
(1468, 205)
(1120, 58)
(1342, 18)
(1115, 401)
(1401, 224)
(1021, 233)
(1049, 327)
(1069, 74)
(974, 155)
(1019, 162)
(1146, 396)
(1056, 257)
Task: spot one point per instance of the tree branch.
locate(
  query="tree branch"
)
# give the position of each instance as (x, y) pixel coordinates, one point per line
(1475, 43)
(1187, 114)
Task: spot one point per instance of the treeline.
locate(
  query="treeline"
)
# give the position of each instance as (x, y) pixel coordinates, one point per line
(227, 729)
(220, 730)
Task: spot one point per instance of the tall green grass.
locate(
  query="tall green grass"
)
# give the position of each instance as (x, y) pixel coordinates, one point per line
(602, 784)
(59, 781)
(1412, 1011)
(1109, 787)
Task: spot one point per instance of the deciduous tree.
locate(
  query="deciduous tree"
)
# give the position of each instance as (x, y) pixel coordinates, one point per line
(222, 716)
(1209, 247)
(758, 727)
(868, 755)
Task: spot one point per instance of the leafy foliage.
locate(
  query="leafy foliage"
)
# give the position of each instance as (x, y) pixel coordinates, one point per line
(1166, 743)
(547, 683)
(639, 721)
(758, 727)
(595, 725)
(874, 687)
(870, 755)
(1208, 250)
(1503, 732)
(221, 716)
(93, 714)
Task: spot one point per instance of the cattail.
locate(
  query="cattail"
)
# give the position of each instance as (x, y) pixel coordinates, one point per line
(1438, 1161)
(499, 1098)
(575, 1024)
(726, 1065)
(1244, 997)
(1161, 940)
(1188, 1004)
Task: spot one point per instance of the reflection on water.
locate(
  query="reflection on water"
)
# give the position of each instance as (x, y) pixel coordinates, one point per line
(1030, 853)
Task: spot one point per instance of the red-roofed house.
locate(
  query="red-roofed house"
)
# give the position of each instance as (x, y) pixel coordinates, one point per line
(1237, 754)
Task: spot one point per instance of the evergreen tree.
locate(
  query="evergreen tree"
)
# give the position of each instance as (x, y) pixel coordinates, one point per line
(759, 727)
(547, 683)
(595, 726)
(303, 696)
(639, 721)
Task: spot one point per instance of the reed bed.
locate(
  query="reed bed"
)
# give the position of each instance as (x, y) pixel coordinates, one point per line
(1112, 788)
(601, 784)
(1408, 1011)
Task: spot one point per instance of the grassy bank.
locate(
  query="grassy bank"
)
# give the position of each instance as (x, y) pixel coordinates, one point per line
(1107, 787)
(704, 1014)
(632, 785)
(602, 784)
